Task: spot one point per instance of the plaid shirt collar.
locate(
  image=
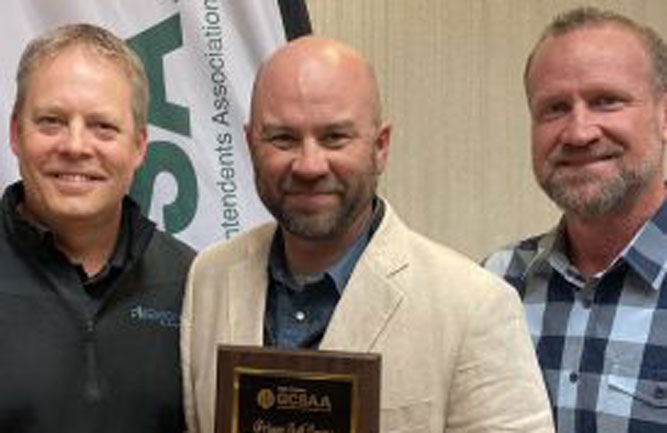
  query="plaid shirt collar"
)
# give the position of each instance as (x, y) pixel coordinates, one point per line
(645, 253)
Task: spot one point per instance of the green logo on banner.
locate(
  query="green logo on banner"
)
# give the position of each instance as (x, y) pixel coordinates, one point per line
(163, 156)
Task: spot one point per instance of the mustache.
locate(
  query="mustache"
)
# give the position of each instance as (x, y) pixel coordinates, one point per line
(326, 185)
(565, 153)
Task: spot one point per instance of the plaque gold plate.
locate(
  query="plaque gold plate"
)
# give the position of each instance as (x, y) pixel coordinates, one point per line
(268, 390)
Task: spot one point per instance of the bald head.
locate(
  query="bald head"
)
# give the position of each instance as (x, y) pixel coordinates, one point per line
(316, 140)
(311, 64)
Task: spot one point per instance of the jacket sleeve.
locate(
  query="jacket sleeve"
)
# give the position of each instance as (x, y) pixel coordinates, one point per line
(497, 385)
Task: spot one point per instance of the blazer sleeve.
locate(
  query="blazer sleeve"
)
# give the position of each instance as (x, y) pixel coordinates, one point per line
(497, 384)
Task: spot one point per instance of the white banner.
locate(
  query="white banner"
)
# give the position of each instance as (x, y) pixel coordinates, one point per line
(201, 57)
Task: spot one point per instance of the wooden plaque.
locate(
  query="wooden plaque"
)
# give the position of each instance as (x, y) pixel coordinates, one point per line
(267, 390)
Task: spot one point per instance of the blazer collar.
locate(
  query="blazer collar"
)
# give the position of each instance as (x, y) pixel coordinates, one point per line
(247, 290)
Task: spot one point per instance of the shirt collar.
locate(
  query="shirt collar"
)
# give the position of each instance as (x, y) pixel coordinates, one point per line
(552, 254)
(118, 259)
(646, 253)
(341, 270)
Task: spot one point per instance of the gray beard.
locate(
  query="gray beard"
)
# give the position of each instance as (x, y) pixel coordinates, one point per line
(610, 194)
(316, 226)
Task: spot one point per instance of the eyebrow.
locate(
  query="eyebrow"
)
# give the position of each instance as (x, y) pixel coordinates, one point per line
(273, 129)
(344, 124)
(48, 108)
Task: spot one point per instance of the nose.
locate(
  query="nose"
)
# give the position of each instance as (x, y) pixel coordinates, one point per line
(581, 128)
(311, 161)
(75, 143)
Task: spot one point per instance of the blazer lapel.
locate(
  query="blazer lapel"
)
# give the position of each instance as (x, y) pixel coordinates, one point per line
(363, 312)
(373, 294)
(247, 298)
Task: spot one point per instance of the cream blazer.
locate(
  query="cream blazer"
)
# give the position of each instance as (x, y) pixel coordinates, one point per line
(456, 356)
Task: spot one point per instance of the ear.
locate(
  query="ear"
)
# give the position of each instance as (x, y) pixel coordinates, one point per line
(15, 135)
(662, 112)
(141, 147)
(248, 134)
(250, 141)
(381, 146)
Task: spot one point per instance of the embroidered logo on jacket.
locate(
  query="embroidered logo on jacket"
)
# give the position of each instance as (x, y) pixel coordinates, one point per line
(166, 318)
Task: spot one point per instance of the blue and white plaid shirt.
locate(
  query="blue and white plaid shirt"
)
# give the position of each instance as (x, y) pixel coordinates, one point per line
(601, 343)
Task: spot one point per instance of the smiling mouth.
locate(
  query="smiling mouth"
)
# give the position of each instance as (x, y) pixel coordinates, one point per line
(311, 200)
(307, 193)
(311, 195)
(75, 183)
(76, 177)
(583, 161)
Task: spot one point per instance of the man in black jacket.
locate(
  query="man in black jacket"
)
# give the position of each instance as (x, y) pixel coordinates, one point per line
(90, 293)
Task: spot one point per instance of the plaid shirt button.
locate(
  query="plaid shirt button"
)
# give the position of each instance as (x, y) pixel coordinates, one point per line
(660, 392)
(574, 377)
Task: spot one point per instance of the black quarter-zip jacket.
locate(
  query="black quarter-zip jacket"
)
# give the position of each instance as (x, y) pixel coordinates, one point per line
(68, 365)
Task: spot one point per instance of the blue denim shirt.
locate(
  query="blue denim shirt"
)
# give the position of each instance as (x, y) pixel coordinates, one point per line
(297, 314)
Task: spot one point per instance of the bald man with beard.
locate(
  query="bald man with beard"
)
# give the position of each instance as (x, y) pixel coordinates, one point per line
(340, 270)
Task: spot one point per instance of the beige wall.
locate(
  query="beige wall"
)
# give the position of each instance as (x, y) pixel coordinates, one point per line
(450, 72)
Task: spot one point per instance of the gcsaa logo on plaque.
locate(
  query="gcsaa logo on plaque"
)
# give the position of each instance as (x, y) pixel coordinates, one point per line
(262, 390)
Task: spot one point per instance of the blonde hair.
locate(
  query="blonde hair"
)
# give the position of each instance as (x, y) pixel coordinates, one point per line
(100, 41)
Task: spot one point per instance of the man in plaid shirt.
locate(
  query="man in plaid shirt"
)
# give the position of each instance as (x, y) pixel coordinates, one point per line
(594, 287)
